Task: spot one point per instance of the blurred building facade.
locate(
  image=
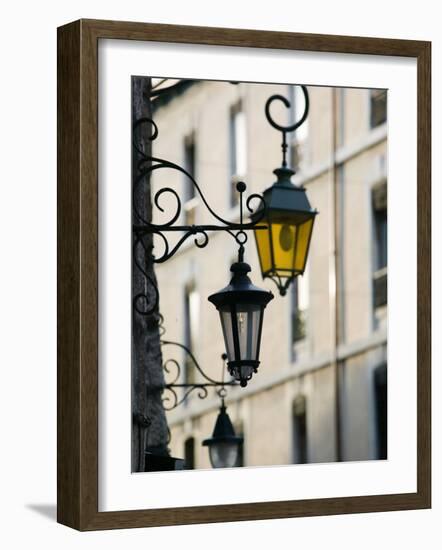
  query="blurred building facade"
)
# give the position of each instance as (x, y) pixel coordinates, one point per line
(330, 330)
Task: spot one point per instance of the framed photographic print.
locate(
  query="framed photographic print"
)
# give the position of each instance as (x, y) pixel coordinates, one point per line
(243, 275)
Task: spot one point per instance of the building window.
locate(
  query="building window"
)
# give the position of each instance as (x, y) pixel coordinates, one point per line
(300, 442)
(238, 149)
(299, 306)
(298, 145)
(379, 205)
(380, 396)
(378, 107)
(190, 199)
(189, 453)
(380, 215)
(191, 326)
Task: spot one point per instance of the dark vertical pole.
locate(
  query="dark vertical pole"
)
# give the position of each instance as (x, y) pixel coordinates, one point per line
(149, 425)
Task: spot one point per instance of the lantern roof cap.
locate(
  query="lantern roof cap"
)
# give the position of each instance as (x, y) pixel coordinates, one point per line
(223, 431)
(240, 289)
(285, 196)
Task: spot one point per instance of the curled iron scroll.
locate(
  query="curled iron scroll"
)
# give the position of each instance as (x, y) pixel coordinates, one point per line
(286, 102)
(146, 164)
(144, 303)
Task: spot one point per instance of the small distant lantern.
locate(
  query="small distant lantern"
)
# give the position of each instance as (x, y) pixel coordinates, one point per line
(224, 445)
(241, 307)
(284, 247)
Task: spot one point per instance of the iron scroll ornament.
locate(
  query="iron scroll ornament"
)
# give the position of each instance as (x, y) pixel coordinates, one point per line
(285, 129)
(171, 400)
(172, 374)
(145, 166)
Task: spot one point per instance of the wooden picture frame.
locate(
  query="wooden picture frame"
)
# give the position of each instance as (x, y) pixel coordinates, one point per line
(77, 461)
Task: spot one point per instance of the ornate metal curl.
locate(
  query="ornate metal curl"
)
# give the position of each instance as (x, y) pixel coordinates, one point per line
(171, 399)
(145, 166)
(284, 129)
(142, 303)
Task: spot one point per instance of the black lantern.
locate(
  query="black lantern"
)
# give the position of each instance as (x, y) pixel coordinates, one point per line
(224, 445)
(241, 307)
(284, 247)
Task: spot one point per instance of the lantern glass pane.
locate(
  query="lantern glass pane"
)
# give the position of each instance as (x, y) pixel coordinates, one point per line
(263, 245)
(226, 323)
(304, 232)
(248, 318)
(223, 454)
(283, 243)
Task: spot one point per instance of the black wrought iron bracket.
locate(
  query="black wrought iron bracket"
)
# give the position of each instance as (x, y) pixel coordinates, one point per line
(171, 399)
(146, 166)
(176, 392)
(172, 388)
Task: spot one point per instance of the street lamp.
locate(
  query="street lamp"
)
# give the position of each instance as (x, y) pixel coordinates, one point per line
(241, 304)
(224, 445)
(241, 308)
(283, 248)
